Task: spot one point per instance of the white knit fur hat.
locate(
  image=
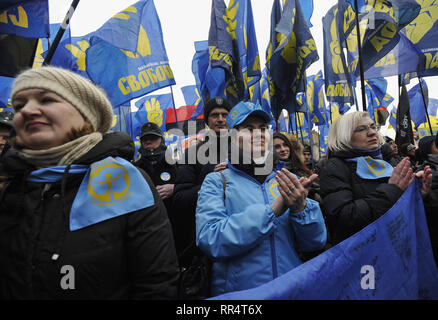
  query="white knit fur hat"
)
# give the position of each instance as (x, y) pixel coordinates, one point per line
(90, 100)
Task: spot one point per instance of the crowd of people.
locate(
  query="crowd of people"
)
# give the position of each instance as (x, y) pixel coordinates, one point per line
(250, 201)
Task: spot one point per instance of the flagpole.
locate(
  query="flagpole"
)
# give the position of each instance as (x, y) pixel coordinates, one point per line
(359, 49)
(61, 31)
(425, 105)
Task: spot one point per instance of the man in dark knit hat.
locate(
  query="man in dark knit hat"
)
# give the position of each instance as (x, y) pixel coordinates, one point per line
(428, 156)
(191, 175)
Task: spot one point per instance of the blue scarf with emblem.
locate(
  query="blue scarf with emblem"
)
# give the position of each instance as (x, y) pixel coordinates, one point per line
(110, 188)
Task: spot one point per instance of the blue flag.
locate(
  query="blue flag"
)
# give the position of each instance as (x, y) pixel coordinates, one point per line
(389, 259)
(200, 63)
(43, 44)
(423, 32)
(338, 83)
(152, 108)
(416, 102)
(191, 95)
(127, 65)
(260, 95)
(139, 62)
(29, 19)
(110, 188)
(404, 58)
(220, 78)
(323, 139)
(307, 6)
(120, 119)
(241, 28)
(386, 19)
(377, 97)
(5, 91)
(314, 100)
(291, 51)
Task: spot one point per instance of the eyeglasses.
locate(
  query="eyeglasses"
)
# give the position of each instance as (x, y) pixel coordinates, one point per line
(366, 129)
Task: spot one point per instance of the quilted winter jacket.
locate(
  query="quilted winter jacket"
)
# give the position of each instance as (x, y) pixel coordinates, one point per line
(126, 257)
(249, 245)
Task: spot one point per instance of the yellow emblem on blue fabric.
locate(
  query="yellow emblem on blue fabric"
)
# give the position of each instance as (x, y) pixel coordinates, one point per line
(370, 168)
(111, 187)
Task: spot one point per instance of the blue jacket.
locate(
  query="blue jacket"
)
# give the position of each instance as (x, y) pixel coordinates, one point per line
(248, 243)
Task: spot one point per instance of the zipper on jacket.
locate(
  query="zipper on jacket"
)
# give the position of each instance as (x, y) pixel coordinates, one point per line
(271, 241)
(271, 237)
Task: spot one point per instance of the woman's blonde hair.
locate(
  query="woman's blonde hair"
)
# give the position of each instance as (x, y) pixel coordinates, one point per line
(339, 135)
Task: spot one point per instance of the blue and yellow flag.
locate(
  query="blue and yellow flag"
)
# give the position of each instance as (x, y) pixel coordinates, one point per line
(390, 259)
(221, 76)
(291, 51)
(5, 91)
(381, 22)
(377, 96)
(152, 108)
(43, 43)
(241, 28)
(191, 95)
(423, 32)
(120, 119)
(417, 102)
(323, 139)
(200, 63)
(29, 19)
(112, 187)
(314, 98)
(424, 129)
(127, 56)
(404, 58)
(338, 83)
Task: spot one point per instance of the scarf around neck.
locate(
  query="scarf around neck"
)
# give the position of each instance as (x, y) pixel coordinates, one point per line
(64, 154)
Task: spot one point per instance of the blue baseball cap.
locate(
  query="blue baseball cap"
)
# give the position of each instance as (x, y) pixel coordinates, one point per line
(242, 110)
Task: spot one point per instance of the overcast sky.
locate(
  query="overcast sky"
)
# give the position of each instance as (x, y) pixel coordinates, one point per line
(185, 21)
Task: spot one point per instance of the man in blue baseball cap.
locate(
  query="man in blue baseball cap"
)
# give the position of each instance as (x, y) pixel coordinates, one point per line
(251, 221)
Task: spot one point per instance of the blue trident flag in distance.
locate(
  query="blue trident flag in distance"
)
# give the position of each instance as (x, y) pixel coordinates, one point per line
(153, 107)
(417, 107)
(314, 98)
(5, 91)
(291, 51)
(390, 258)
(242, 31)
(29, 19)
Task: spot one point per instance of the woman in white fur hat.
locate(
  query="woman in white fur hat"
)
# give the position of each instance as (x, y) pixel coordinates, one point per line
(77, 220)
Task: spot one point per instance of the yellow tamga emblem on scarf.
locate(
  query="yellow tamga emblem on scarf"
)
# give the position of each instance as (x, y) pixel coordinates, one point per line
(376, 167)
(108, 182)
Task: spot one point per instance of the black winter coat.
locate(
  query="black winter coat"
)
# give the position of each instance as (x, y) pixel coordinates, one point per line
(185, 195)
(350, 203)
(130, 256)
